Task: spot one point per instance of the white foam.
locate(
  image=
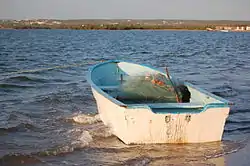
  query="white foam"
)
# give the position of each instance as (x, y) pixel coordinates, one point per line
(100, 130)
(79, 139)
(83, 140)
(86, 119)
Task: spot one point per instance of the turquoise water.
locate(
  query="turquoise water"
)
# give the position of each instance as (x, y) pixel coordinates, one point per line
(48, 115)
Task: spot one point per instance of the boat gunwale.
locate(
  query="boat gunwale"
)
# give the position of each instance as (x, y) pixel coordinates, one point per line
(223, 102)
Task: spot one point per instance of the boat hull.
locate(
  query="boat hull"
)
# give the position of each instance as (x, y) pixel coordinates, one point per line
(142, 125)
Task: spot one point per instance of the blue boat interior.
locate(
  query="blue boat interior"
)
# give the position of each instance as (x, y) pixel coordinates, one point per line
(110, 76)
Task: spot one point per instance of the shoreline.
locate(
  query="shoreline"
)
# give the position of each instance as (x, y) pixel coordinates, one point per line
(127, 24)
(148, 29)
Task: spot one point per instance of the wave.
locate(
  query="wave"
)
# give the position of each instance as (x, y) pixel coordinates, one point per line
(238, 129)
(111, 149)
(91, 123)
(79, 142)
(238, 121)
(19, 128)
(79, 137)
(142, 160)
(141, 52)
(19, 159)
(240, 111)
(225, 91)
(32, 79)
(166, 154)
(70, 92)
(133, 154)
(86, 119)
(9, 85)
(21, 78)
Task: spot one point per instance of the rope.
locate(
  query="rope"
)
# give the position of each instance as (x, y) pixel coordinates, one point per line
(47, 69)
(175, 90)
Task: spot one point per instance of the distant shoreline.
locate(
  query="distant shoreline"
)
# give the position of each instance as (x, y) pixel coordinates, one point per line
(102, 29)
(176, 25)
(117, 29)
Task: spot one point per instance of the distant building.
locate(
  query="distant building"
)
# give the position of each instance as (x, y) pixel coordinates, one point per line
(56, 22)
(248, 28)
(228, 28)
(219, 27)
(36, 22)
(209, 29)
(240, 28)
(115, 23)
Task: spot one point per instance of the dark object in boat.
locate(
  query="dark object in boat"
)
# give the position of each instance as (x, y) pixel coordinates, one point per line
(185, 94)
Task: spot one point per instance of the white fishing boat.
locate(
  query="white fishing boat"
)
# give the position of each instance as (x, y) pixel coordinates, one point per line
(142, 105)
(224, 30)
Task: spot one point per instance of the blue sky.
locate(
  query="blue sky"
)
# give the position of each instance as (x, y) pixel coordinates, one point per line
(126, 9)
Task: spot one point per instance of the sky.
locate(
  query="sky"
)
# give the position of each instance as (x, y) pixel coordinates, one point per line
(126, 9)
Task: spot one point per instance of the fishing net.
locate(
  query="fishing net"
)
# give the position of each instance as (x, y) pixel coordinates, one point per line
(152, 88)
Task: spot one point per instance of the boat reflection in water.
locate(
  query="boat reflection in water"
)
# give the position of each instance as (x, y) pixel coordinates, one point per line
(111, 151)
